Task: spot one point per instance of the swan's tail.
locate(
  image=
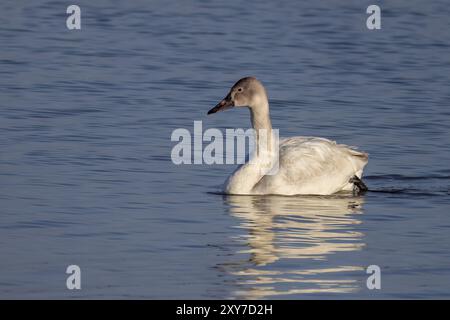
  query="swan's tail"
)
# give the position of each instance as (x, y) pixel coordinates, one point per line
(360, 156)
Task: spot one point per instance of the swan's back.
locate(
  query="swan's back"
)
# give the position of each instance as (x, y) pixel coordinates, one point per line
(309, 165)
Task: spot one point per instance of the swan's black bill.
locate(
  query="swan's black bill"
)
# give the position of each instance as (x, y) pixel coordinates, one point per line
(225, 104)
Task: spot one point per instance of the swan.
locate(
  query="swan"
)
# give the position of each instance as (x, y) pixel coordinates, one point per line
(289, 166)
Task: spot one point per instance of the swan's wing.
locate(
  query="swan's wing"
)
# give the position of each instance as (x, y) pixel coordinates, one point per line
(313, 165)
(311, 156)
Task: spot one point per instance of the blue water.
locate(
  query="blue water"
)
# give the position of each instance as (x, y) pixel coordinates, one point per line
(86, 176)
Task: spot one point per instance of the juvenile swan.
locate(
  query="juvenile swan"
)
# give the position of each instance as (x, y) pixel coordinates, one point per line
(297, 165)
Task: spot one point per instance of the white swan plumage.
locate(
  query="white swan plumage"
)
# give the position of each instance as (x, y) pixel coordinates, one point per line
(304, 165)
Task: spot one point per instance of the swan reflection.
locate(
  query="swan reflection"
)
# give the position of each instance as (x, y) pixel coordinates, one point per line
(293, 243)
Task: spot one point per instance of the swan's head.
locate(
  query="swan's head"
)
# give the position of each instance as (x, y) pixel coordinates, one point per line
(247, 92)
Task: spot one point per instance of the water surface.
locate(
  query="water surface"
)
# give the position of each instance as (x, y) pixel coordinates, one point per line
(85, 169)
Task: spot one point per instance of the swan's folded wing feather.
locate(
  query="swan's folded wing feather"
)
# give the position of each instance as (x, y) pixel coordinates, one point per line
(313, 165)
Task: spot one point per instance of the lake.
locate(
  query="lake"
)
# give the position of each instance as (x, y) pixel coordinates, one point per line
(86, 174)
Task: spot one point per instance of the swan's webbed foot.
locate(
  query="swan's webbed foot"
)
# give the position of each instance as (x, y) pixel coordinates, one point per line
(359, 187)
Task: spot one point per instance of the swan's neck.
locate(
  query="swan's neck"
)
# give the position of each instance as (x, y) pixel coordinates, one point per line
(263, 158)
(260, 115)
